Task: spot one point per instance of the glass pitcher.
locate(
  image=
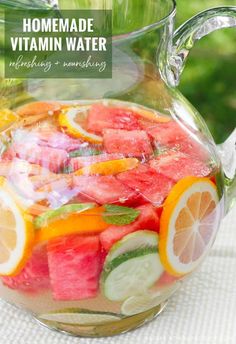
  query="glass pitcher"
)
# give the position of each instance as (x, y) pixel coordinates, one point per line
(111, 191)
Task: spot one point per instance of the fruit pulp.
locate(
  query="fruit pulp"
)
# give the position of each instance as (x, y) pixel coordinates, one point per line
(94, 178)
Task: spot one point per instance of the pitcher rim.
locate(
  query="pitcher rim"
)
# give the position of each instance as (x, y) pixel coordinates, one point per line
(147, 28)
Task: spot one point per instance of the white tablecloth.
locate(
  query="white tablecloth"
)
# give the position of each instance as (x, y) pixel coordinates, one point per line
(202, 312)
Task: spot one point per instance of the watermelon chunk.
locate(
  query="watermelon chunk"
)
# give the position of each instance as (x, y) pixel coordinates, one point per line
(172, 135)
(102, 117)
(82, 161)
(152, 185)
(51, 158)
(35, 275)
(148, 219)
(192, 148)
(177, 165)
(74, 266)
(169, 132)
(105, 189)
(132, 143)
(9, 154)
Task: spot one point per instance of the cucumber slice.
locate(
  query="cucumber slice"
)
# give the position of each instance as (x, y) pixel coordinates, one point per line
(137, 240)
(75, 316)
(50, 215)
(141, 303)
(133, 272)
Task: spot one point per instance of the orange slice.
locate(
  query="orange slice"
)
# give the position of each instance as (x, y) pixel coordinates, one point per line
(152, 116)
(188, 224)
(39, 108)
(109, 167)
(16, 234)
(70, 120)
(37, 209)
(90, 221)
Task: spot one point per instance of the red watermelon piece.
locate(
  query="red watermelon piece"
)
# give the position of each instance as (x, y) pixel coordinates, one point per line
(169, 132)
(35, 275)
(9, 154)
(177, 165)
(192, 148)
(132, 143)
(148, 219)
(51, 158)
(172, 135)
(152, 185)
(82, 161)
(105, 190)
(74, 266)
(102, 117)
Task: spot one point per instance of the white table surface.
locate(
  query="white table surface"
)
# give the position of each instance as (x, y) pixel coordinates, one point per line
(202, 312)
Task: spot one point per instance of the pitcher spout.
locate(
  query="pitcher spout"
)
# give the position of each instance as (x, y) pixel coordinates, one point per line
(227, 152)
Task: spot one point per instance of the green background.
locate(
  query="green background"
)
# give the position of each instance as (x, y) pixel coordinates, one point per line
(209, 78)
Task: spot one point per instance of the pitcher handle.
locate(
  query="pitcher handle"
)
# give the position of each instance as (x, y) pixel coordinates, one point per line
(227, 152)
(172, 60)
(187, 34)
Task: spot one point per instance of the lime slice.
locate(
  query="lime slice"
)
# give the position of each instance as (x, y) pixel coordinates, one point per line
(74, 316)
(52, 215)
(141, 303)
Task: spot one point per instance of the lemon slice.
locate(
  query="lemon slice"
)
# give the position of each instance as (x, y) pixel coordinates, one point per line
(141, 303)
(7, 119)
(188, 224)
(70, 119)
(16, 234)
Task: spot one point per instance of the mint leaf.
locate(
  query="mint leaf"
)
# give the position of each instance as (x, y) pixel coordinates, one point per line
(119, 216)
(156, 152)
(67, 170)
(161, 150)
(84, 152)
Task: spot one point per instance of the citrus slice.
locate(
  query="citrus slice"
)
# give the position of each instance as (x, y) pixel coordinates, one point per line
(53, 214)
(72, 119)
(39, 108)
(37, 209)
(151, 115)
(90, 221)
(7, 119)
(109, 167)
(188, 224)
(16, 234)
(12, 189)
(75, 316)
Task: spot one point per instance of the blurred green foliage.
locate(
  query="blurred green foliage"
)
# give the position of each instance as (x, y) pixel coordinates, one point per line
(209, 78)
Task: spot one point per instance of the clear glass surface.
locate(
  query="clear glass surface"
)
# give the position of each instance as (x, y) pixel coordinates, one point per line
(112, 191)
